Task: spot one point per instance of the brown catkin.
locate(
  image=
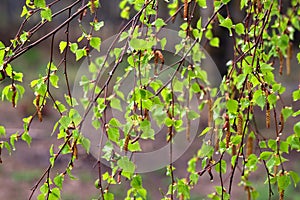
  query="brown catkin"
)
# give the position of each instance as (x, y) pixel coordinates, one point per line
(170, 134)
(240, 124)
(75, 151)
(281, 195)
(275, 170)
(146, 114)
(228, 135)
(185, 10)
(125, 147)
(268, 116)
(181, 197)
(281, 123)
(247, 188)
(92, 6)
(249, 149)
(40, 116)
(233, 150)
(158, 56)
(38, 108)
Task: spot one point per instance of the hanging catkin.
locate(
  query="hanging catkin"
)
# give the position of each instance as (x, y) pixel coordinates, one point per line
(249, 149)
(240, 124)
(185, 10)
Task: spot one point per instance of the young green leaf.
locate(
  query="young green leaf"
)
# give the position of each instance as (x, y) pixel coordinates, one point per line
(40, 3)
(62, 46)
(95, 42)
(46, 14)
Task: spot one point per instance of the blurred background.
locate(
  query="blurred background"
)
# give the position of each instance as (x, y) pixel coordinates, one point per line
(20, 171)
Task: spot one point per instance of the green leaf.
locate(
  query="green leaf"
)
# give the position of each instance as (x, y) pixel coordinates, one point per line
(134, 147)
(283, 181)
(40, 3)
(287, 112)
(206, 130)
(86, 144)
(97, 25)
(62, 46)
(55, 194)
(202, 3)
(214, 42)
(265, 155)
(295, 177)
(80, 53)
(183, 189)
(169, 122)
(12, 139)
(116, 104)
(18, 76)
(54, 80)
(46, 14)
(282, 42)
(115, 122)
(265, 68)
(227, 23)
(136, 182)
(7, 146)
(158, 23)
(113, 134)
(95, 42)
(262, 144)
(192, 114)
(163, 43)
(58, 180)
(284, 147)
(239, 28)
(26, 137)
(140, 44)
(74, 47)
(2, 131)
(148, 132)
(259, 98)
(232, 105)
(109, 196)
(297, 129)
(125, 12)
(199, 23)
(61, 107)
(205, 151)
(24, 12)
(126, 165)
(71, 101)
(65, 122)
(296, 95)
(223, 167)
(272, 99)
(226, 1)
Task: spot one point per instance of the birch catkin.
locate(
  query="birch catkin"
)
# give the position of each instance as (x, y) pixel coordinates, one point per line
(185, 10)
(240, 124)
(249, 149)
